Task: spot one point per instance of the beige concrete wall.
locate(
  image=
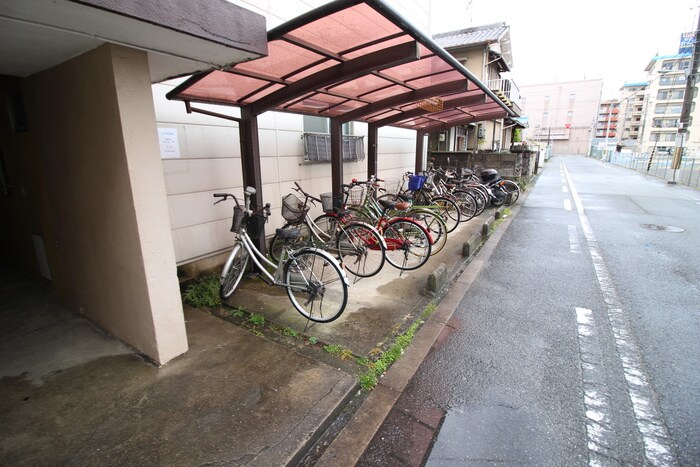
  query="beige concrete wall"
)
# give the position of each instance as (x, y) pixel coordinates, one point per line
(96, 133)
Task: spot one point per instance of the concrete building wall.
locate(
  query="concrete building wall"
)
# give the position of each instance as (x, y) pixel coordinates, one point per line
(96, 137)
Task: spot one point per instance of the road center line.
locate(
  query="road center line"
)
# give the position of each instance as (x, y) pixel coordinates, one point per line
(650, 421)
(567, 204)
(574, 245)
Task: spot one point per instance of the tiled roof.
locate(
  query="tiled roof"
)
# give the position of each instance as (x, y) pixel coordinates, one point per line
(469, 36)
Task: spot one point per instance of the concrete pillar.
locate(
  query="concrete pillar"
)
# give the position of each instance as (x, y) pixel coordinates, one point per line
(96, 134)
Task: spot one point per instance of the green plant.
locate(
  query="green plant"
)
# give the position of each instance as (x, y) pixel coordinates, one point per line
(339, 350)
(256, 319)
(517, 135)
(313, 340)
(289, 332)
(237, 313)
(369, 379)
(204, 293)
(428, 310)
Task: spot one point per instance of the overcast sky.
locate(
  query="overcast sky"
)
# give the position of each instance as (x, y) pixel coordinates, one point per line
(559, 40)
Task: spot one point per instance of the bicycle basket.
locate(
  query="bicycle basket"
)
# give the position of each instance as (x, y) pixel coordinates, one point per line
(327, 201)
(293, 209)
(355, 196)
(415, 182)
(238, 217)
(393, 185)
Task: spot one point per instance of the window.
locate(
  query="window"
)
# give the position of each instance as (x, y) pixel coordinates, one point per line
(667, 109)
(684, 65)
(665, 123)
(667, 65)
(317, 147)
(572, 96)
(668, 94)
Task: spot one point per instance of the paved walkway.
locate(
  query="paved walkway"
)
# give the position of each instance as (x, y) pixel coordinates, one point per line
(72, 395)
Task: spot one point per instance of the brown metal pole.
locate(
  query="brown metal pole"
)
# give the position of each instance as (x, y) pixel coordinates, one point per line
(372, 139)
(250, 162)
(337, 161)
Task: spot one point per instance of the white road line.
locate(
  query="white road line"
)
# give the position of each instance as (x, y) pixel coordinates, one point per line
(650, 422)
(602, 441)
(574, 245)
(567, 204)
(565, 189)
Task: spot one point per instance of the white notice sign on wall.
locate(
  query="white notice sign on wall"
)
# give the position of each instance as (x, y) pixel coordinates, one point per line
(169, 144)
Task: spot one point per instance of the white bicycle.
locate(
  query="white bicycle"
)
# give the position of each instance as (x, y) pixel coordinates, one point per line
(315, 283)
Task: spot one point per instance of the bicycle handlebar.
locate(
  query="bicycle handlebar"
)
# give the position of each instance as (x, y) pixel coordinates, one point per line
(301, 190)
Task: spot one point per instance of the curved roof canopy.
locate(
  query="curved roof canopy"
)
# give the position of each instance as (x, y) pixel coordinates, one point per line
(352, 60)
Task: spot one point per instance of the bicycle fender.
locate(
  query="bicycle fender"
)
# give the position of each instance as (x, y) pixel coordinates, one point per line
(329, 257)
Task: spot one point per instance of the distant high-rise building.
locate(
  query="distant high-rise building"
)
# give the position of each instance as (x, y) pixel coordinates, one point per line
(632, 105)
(562, 115)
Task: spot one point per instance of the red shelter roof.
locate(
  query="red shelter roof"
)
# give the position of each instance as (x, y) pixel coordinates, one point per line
(352, 60)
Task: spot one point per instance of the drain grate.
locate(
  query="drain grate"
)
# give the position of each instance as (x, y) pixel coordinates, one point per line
(663, 228)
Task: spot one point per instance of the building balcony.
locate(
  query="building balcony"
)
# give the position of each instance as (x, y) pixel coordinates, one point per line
(508, 92)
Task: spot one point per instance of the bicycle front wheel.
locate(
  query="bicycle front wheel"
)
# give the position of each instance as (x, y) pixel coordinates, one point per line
(233, 271)
(436, 228)
(316, 286)
(449, 211)
(467, 204)
(361, 249)
(407, 244)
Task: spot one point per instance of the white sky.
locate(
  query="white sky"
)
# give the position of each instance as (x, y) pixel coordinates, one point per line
(560, 40)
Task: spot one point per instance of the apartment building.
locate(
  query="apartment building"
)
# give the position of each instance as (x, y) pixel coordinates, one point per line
(606, 124)
(563, 115)
(667, 77)
(632, 105)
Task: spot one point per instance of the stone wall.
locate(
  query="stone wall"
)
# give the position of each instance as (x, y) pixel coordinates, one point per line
(509, 165)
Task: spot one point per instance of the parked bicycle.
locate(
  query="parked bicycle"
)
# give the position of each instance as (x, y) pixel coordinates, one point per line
(370, 208)
(359, 246)
(315, 283)
(408, 242)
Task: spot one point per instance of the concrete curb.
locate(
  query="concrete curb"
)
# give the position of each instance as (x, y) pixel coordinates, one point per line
(352, 441)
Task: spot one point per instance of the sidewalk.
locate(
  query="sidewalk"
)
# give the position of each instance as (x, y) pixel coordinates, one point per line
(72, 395)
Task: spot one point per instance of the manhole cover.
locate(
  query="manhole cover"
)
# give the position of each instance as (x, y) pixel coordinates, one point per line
(663, 228)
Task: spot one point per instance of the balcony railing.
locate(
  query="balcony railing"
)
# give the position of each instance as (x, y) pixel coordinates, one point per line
(508, 92)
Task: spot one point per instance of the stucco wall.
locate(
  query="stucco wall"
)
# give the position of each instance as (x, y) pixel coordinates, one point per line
(97, 140)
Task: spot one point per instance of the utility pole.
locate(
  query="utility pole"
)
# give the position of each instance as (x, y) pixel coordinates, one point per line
(687, 103)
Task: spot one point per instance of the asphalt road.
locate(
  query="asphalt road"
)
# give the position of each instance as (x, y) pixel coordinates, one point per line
(577, 343)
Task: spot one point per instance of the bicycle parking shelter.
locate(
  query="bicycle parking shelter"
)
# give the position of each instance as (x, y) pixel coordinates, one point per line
(348, 60)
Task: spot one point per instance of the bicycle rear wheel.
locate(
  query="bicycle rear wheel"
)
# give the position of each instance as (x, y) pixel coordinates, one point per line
(361, 249)
(316, 286)
(407, 244)
(233, 271)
